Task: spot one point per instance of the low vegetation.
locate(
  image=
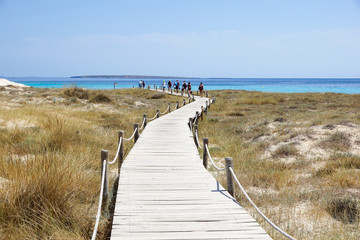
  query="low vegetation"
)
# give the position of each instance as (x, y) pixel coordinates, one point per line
(49, 157)
(297, 155)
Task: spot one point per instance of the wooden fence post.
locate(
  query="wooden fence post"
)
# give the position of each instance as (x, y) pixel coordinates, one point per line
(194, 135)
(206, 107)
(156, 88)
(184, 102)
(157, 113)
(190, 123)
(136, 137)
(213, 99)
(145, 121)
(171, 91)
(121, 150)
(207, 95)
(104, 156)
(170, 107)
(177, 105)
(230, 183)
(205, 156)
(202, 113)
(196, 117)
(197, 92)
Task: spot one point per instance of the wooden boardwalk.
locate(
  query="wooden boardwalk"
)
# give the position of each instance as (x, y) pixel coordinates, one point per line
(165, 192)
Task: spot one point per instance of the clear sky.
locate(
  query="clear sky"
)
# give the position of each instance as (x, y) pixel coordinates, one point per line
(194, 38)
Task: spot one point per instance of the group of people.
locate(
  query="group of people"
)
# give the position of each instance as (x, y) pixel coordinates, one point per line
(141, 84)
(185, 87)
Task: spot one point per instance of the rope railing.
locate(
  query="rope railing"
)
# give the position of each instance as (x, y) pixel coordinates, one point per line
(143, 124)
(197, 139)
(98, 215)
(132, 136)
(212, 161)
(150, 119)
(257, 209)
(162, 113)
(117, 152)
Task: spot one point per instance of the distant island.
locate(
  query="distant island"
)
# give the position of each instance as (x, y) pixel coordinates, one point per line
(125, 76)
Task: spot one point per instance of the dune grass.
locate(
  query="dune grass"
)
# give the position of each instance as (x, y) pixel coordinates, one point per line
(312, 194)
(50, 155)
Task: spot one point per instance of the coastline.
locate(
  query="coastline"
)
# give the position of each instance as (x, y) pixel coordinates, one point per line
(5, 83)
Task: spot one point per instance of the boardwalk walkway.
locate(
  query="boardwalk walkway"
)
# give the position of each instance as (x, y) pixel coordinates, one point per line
(165, 192)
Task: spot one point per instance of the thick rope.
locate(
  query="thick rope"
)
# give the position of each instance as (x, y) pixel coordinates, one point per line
(197, 139)
(100, 202)
(257, 209)
(117, 152)
(213, 163)
(165, 111)
(150, 119)
(128, 139)
(143, 124)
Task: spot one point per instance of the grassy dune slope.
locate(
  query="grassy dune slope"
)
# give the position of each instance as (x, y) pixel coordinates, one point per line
(297, 155)
(49, 156)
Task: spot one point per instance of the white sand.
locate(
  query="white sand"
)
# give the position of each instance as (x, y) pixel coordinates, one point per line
(4, 82)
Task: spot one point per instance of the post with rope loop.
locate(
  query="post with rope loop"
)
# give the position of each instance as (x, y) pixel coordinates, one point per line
(105, 156)
(197, 92)
(189, 100)
(177, 105)
(206, 107)
(184, 102)
(121, 150)
(205, 156)
(145, 121)
(194, 135)
(157, 113)
(230, 183)
(171, 91)
(201, 114)
(156, 88)
(207, 95)
(213, 99)
(170, 106)
(190, 123)
(136, 128)
(196, 117)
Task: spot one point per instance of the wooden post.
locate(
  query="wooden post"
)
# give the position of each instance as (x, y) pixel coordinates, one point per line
(213, 99)
(230, 183)
(197, 92)
(177, 105)
(182, 92)
(190, 123)
(156, 88)
(136, 137)
(157, 113)
(205, 156)
(194, 135)
(196, 117)
(184, 102)
(208, 104)
(206, 107)
(201, 114)
(104, 156)
(171, 91)
(145, 121)
(170, 107)
(121, 150)
(207, 95)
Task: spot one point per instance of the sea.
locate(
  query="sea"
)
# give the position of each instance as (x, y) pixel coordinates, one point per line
(283, 85)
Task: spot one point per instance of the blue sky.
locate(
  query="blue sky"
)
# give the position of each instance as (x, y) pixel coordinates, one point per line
(198, 38)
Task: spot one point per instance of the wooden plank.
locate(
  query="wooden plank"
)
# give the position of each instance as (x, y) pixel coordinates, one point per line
(165, 193)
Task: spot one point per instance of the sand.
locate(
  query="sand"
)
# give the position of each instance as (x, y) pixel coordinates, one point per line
(4, 83)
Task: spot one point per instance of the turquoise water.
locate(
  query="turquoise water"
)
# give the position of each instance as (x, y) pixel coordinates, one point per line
(288, 85)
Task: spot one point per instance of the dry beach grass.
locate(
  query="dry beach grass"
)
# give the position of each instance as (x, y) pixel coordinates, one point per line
(50, 155)
(297, 155)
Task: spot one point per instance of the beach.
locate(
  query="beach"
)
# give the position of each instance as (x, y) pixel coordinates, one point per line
(5, 83)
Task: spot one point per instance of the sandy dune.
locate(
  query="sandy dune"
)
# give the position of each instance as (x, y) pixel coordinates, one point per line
(4, 82)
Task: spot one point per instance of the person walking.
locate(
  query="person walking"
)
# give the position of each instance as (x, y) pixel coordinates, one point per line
(189, 88)
(164, 85)
(201, 89)
(169, 85)
(177, 86)
(184, 86)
